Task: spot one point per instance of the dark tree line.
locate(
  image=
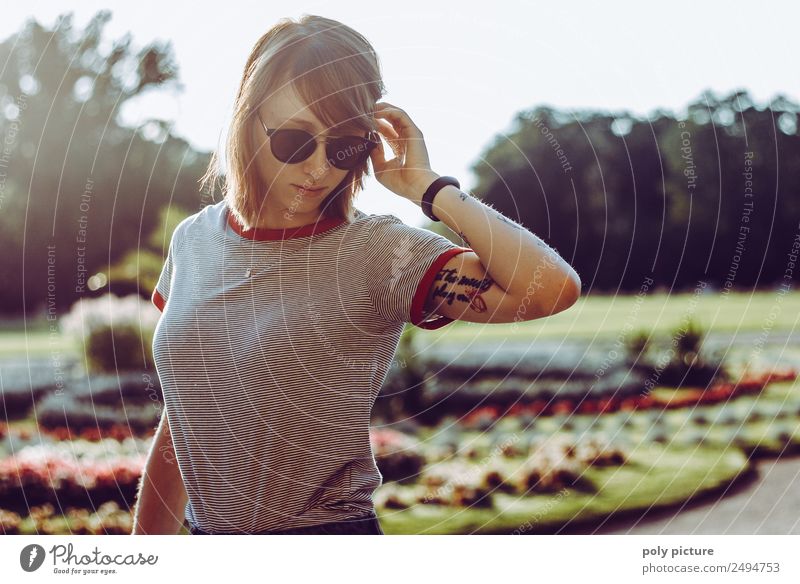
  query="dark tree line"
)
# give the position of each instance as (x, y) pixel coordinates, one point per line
(711, 197)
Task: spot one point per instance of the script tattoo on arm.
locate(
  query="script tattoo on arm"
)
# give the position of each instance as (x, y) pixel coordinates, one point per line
(444, 287)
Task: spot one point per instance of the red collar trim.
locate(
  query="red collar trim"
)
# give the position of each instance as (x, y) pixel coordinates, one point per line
(264, 234)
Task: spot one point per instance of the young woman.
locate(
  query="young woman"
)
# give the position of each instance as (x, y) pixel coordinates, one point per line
(283, 305)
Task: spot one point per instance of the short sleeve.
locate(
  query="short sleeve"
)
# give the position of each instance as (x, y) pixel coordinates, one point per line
(161, 292)
(402, 262)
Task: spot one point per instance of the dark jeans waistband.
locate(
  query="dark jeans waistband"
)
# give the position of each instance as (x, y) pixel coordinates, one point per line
(366, 525)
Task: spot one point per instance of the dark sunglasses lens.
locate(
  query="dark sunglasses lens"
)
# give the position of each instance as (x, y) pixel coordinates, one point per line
(349, 152)
(292, 146)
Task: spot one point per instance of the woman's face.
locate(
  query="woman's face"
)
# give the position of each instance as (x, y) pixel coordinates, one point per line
(286, 199)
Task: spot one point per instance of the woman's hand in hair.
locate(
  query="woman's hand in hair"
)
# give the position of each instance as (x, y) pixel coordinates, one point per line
(409, 173)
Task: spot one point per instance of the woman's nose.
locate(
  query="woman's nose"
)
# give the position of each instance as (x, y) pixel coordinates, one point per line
(317, 164)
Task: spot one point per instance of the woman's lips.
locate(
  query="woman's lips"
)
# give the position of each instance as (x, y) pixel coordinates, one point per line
(314, 191)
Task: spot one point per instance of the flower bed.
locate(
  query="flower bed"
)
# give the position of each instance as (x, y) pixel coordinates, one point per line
(485, 416)
(24, 383)
(680, 474)
(114, 431)
(66, 411)
(471, 477)
(37, 476)
(397, 455)
(109, 519)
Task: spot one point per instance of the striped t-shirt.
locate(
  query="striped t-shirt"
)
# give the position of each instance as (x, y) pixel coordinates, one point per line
(271, 349)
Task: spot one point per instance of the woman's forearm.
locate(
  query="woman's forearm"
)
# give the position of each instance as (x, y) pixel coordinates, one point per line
(160, 506)
(162, 494)
(516, 259)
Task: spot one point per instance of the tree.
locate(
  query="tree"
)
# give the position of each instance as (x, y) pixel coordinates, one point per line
(623, 199)
(80, 189)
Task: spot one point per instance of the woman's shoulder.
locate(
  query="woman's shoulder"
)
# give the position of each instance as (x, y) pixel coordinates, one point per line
(391, 227)
(370, 221)
(207, 218)
(211, 216)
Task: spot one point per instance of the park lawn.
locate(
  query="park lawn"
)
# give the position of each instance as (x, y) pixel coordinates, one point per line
(654, 477)
(38, 344)
(608, 316)
(591, 317)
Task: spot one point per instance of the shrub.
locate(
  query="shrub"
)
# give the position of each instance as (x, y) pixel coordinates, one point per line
(116, 333)
(687, 365)
(636, 347)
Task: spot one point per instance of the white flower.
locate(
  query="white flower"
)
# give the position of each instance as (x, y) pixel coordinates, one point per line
(90, 314)
(80, 450)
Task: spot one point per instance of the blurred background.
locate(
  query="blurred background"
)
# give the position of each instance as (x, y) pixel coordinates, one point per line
(656, 149)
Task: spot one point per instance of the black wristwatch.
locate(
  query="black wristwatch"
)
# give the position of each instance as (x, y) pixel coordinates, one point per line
(436, 186)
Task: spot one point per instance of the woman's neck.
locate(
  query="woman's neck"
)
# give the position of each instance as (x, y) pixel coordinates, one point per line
(286, 219)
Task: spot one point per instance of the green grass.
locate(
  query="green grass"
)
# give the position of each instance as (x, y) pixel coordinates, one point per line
(607, 316)
(654, 477)
(591, 317)
(37, 344)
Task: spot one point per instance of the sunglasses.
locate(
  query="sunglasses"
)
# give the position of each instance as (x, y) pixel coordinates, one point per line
(344, 152)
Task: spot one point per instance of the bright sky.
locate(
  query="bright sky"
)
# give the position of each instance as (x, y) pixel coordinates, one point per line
(463, 68)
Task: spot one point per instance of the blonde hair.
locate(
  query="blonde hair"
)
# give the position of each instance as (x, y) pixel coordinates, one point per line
(334, 69)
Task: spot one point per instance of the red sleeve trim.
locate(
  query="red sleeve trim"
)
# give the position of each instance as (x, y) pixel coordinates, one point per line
(158, 300)
(423, 289)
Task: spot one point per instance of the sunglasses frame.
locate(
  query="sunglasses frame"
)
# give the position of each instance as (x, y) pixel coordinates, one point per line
(372, 141)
